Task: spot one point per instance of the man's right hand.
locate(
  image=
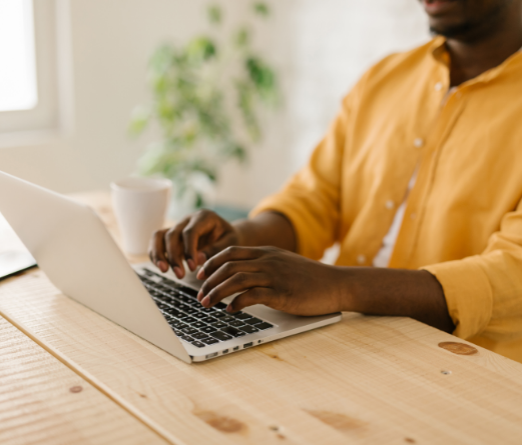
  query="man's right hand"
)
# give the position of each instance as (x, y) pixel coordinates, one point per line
(195, 239)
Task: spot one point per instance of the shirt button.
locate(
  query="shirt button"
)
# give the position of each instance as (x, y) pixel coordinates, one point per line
(361, 259)
(438, 86)
(418, 142)
(389, 204)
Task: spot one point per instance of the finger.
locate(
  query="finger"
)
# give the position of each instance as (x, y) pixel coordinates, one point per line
(256, 295)
(239, 282)
(157, 250)
(201, 258)
(174, 247)
(201, 224)
(213, 248)
(224, 273)
(233, 253)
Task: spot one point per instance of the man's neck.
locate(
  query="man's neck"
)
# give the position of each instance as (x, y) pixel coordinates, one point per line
(471, 56)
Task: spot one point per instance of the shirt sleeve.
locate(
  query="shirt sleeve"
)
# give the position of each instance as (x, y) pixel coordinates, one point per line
(311, 198)
(484, 292)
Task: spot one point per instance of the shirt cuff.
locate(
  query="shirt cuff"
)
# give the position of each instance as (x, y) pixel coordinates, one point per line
(468, 295)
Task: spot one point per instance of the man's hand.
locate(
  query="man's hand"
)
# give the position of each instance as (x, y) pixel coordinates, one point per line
(196, 238)
(274, 277)
(289, 282)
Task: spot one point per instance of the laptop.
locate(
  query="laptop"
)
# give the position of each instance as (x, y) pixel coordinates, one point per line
(73, 247)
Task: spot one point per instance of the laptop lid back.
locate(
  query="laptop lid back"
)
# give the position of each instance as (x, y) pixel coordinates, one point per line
(72, 246)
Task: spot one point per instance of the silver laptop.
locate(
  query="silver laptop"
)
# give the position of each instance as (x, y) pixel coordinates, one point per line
(75, 250)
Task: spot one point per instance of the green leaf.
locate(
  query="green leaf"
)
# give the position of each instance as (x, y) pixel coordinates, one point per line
(261, 75)
(200, 202)
(201, 49)
(215, 14)
(261, 8)
(242, 37)
(140, 118)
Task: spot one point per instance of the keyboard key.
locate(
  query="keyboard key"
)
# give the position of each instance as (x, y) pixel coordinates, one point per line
(208, 320)
(249, 329)
(186, 338)
(198, 324)
(190, 310)
(242, 316)
(199, 315)
(198, 344)
(188, 320)
(189, 330)
(263, 326)
(219, 325)
(253, 321)
(174, 313)
(187, 299)
(236, 323)
(221, 336)
(220, 305)
(210, 341)
(199, 336)
(219, 314)
(193, 303)
(206, 309)
(176, 324)
(233, 331)
(208, 329)
(227, 319)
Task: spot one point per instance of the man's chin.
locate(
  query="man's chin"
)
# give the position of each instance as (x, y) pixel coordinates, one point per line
(450, 31)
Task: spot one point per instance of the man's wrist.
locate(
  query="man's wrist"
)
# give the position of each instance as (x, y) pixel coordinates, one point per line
(345, 288)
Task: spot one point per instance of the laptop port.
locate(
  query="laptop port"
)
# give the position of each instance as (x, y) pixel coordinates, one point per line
(225, 351)
(248, 345)
(236, 348)
(214, 354)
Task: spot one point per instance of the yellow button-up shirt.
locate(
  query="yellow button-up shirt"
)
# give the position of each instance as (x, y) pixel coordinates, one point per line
(463, 219)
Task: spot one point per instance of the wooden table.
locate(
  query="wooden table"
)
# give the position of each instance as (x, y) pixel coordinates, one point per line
(69, 376)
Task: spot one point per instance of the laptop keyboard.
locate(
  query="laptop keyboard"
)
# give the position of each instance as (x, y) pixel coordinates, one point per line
(192, 322)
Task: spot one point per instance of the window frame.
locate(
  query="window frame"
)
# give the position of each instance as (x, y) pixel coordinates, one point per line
(52, 116)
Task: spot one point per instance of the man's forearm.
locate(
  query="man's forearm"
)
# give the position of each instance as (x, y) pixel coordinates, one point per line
(267, 229)
(373, 291)
(408, 293)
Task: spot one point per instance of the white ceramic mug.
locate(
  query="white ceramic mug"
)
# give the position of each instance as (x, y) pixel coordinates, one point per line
(140, 206)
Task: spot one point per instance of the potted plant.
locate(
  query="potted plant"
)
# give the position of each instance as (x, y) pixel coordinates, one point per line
(206, 96)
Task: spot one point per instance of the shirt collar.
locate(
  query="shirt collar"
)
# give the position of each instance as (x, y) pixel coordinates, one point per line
(441, 55)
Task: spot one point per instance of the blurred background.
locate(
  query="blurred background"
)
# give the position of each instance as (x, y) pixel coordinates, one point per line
(72, 71)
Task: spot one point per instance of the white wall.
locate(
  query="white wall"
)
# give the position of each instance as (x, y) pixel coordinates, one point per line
(319, 47)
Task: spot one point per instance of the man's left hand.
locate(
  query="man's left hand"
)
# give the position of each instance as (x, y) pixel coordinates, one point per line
(271, 276)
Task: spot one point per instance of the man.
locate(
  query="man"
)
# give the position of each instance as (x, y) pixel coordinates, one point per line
(428, 142)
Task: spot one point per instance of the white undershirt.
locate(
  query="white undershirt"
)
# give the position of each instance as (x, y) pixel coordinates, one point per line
(382, 259)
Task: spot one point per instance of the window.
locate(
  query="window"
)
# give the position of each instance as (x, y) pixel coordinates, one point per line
(34, 56)
(17, 59)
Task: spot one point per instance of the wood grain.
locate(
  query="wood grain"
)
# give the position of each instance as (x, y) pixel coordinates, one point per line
(366, 380)
(42, 401)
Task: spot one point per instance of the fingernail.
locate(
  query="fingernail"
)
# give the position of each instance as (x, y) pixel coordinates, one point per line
(162, 265)
(191, 264)
(201, 258)
(200, 295)
(201, 274)
(229, 309)
(205, 302)
(178, 272)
